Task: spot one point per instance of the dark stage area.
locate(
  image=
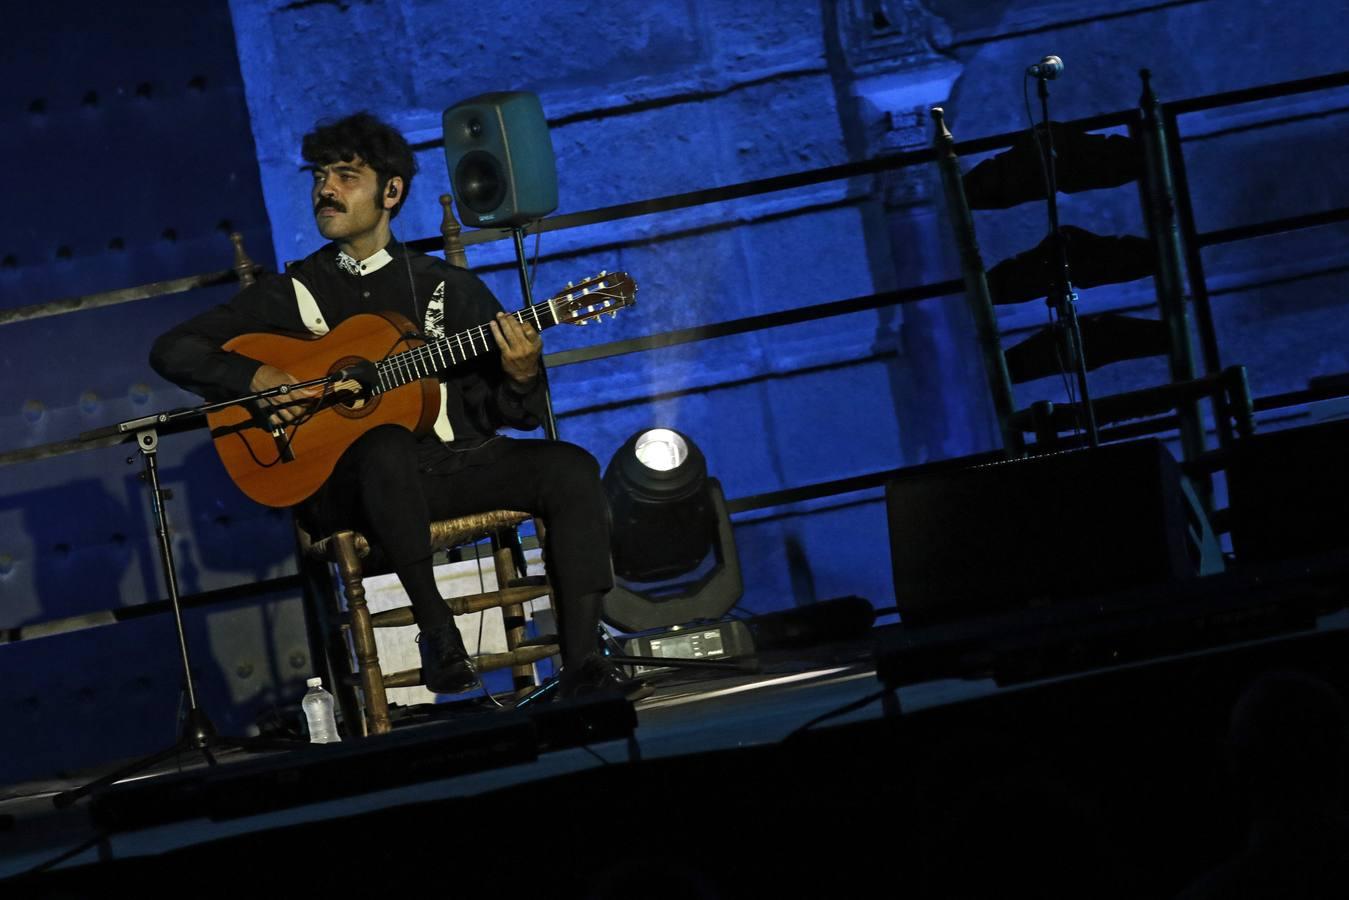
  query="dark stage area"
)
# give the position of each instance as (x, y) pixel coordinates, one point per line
(1109, 783)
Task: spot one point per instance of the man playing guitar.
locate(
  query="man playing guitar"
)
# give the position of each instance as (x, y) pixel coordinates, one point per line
(390, 484)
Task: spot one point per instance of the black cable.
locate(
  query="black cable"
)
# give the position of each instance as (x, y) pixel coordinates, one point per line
(1055, 326)
(841, 711)
(65, 855)
(482, 617)
(534, 265)
(587, 748)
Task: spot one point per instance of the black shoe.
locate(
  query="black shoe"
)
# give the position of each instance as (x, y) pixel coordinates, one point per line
(446, 667)
(599, 676)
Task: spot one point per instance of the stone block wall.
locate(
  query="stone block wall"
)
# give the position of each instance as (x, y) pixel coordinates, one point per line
(139, 139)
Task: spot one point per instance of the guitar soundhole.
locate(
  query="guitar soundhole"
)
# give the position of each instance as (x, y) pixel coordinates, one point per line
(350, 399)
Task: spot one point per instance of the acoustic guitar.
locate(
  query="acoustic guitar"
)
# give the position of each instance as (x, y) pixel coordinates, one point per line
(379, 371)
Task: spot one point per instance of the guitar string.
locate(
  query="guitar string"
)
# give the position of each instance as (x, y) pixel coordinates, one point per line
(416, 355)
(315, 407)
(427, 352)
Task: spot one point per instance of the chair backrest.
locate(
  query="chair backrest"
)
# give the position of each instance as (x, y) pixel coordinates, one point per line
(451, 233)
(1087, 161)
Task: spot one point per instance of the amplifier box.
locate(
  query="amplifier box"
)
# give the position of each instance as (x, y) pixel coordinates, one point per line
(1043, 530)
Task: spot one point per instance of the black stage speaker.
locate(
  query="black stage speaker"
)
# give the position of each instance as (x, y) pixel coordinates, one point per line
(1288, 493)
(500, 159)
(1043, 530)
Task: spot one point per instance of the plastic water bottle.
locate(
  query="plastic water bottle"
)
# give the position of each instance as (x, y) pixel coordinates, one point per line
(318, 709)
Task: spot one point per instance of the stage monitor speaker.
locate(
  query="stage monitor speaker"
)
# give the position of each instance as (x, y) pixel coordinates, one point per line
(500, 159)
(1288, 493)
(1044, 530)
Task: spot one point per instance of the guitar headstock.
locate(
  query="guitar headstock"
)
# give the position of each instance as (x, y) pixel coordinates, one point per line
(595, 297)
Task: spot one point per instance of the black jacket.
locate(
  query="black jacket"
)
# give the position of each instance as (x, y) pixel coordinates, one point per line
(478, 399)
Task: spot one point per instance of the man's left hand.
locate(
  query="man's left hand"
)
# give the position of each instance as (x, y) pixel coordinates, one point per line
(520, 347)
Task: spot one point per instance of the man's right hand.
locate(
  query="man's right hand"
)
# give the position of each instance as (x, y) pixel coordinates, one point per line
(285, 409)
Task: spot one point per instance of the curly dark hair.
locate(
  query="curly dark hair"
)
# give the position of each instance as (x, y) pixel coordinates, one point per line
(362, 135)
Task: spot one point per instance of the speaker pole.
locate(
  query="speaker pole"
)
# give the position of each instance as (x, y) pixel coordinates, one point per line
(522, 263)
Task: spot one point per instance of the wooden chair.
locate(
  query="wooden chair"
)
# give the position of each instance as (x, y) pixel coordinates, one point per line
(350, 630)
(1094, 161)
(355, 626)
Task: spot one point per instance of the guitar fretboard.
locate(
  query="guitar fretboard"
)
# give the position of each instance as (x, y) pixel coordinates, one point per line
(437, 355)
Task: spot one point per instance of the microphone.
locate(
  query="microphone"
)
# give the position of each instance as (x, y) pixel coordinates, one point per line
(1049, 68)
(363, 372)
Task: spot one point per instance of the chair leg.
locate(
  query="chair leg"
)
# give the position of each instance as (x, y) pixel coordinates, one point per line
(362, 635)
(513, 614)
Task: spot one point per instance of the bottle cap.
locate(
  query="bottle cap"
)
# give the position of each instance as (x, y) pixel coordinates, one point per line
(314, 682)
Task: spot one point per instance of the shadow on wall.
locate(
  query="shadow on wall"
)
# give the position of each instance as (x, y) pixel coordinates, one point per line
(82, 540)
(230, 532)
(220, 537)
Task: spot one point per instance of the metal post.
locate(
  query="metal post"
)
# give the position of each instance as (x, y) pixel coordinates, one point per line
(526, 291)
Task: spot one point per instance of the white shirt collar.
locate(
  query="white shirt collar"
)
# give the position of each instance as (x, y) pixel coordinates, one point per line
(372, 263)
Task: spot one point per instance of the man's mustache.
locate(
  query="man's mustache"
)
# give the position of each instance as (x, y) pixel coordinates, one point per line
(328, 203)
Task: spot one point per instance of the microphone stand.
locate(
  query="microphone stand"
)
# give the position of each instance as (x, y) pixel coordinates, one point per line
(196, 732)
(1062, 297)
(527, 291)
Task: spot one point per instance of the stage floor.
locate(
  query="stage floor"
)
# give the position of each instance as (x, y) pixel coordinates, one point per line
(693, 715)
(702, 737)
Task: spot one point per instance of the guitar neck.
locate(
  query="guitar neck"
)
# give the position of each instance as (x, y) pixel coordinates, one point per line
(441, 354)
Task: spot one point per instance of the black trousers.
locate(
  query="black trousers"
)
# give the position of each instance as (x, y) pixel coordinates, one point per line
(391, 485)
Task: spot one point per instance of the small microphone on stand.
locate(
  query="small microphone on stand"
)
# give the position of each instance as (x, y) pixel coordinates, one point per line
(364, 373)
(1049, 68)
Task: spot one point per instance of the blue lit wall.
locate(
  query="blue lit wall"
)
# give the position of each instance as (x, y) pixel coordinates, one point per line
(143, 137)
(128, 159)
(651, 99)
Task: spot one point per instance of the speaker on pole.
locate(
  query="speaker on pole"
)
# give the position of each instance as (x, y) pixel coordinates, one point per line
(500, 159)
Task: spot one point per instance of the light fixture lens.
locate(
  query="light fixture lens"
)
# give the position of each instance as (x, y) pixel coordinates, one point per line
(661, 449)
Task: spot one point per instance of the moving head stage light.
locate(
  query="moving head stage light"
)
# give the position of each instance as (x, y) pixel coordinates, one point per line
(667, 515)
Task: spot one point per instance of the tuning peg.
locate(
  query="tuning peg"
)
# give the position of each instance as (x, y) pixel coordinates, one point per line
(570, 284)
(603, 272)
(584, 291)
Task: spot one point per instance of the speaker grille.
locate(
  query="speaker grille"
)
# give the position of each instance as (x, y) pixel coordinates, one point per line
(480, 181)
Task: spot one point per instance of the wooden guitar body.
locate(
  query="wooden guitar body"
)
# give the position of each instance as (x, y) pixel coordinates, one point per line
(253, 456)
(283, 467)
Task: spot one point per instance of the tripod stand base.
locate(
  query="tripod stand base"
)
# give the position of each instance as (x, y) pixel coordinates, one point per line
(198, 735)
(198, 730)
